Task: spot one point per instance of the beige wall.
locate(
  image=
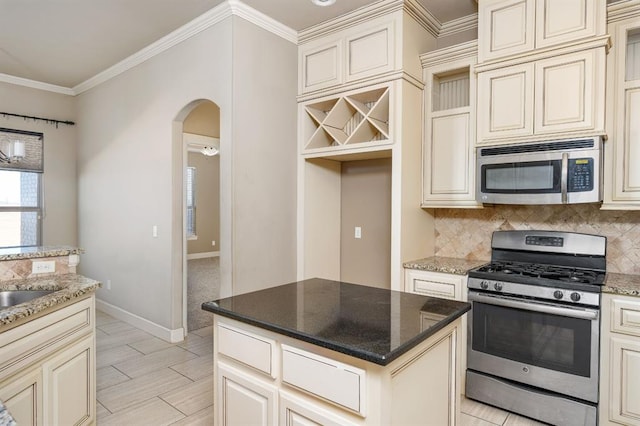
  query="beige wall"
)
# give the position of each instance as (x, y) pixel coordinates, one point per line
(60, 221)
(366, 202)
(467, 233)
(207, 203)
(130, 167)
(205, 120)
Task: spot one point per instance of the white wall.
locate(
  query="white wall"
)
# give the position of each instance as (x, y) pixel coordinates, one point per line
(130, 165)
(59, 225)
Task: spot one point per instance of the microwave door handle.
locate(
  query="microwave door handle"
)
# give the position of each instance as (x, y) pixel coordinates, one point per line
(536, 307)
(564, 176)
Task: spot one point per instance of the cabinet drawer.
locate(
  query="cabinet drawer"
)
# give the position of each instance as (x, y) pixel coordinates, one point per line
(436, 289)
(331, 380)
(24, 345)
(245, 347)
(435, 284)
(625, 316)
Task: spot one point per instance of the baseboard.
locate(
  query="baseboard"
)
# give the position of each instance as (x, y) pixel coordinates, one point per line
(171, 336)
(203, 255)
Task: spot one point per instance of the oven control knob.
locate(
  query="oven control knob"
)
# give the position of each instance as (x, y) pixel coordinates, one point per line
(484, 285)
(498, 286)
(558, 294)
(575, 296)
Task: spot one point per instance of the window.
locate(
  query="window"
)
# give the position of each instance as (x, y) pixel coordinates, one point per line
(191, 203)
(20, 188)
(20, 208)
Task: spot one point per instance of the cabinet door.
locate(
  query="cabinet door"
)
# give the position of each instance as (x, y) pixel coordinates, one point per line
(505, 103)
(242, 399)
(566, 20)
(370, 51)
(624, 144)
(320, 66)
(624, 399)
(22, 397)
(448, 163)
(505, 27)
(303, 412)
(570, 92)
(69, 385)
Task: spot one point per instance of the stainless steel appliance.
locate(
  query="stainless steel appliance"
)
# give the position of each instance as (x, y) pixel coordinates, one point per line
(534, 328)
(558, 172)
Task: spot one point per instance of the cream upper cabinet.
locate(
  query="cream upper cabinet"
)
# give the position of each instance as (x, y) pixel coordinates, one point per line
(449, 127)
(505, 102)
(553, 97)
(622, 150)
(513, 27)
(505, 28)
(620, 360)
(320, 66)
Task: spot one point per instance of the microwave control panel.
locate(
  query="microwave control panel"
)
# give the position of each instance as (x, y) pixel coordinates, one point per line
(580, 176)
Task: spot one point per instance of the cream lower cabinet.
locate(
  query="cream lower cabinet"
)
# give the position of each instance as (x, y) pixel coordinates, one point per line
(622, 149)
(294, 383)
(548, 98)
(47, 367)
(620, 361)
(435, 284)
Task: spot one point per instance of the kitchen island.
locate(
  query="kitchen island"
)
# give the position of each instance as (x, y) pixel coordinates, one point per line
(327, 352)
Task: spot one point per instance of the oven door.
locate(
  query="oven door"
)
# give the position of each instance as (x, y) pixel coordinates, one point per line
(546, 345)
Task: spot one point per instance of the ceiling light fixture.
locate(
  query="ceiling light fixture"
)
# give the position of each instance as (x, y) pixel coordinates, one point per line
(323, 2)
(209, 151)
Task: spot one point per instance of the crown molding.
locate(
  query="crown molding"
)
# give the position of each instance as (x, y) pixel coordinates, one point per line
(623, 10)
(19, 81)
(452, 53)
(459, 25)
(263, 21)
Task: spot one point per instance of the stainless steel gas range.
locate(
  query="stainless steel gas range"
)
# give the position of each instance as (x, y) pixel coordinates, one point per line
(534, 328)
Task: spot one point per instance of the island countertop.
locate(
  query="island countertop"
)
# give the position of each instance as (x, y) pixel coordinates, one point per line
(369, 323)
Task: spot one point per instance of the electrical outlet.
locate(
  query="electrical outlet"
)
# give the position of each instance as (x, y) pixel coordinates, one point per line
(213, 243)
(108, 285)
(358, 232)
(154, 231)
(43, 266)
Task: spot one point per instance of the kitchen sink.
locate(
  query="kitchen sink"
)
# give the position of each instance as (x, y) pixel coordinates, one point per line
(10, 298)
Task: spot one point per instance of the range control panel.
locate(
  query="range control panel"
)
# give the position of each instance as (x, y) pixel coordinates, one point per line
(535, 240)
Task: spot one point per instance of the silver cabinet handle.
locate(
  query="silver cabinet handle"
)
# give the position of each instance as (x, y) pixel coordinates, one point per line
(564, 176)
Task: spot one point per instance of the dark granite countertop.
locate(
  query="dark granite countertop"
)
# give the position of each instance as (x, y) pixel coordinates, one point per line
(369, 323)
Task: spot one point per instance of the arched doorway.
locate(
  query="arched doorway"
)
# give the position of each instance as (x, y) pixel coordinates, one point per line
(195, 129)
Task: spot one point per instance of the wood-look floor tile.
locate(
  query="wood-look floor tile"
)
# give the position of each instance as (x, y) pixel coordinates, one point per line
(201, 418)
(197, 368)
(198, 345)
(193, 397)
(153, 412)
(155, 361)
(116, 327)
(148, 346)
(515, 420)
(118, 397)
(116, 354)
(104, 318)
(468, 420)
(482, 411)
(101, 413)
(109, 376)
(203, 332)
(119, 339)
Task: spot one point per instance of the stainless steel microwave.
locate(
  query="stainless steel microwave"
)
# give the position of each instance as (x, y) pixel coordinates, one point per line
(555, 172)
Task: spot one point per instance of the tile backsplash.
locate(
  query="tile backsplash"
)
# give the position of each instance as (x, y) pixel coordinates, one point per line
(466, 233)
(22, 268)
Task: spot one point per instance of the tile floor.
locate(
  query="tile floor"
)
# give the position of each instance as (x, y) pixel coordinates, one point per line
(145, 381)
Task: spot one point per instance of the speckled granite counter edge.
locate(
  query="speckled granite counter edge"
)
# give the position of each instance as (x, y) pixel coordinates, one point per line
(447, 265)
(38, 252)
(65, 288)
(623, 284)
(463, 308)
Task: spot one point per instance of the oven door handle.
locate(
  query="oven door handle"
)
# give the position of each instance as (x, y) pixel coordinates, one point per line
(588, 314)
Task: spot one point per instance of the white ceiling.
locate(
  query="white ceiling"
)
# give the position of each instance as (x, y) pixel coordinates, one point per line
(66, 42)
